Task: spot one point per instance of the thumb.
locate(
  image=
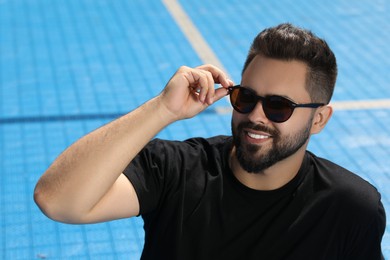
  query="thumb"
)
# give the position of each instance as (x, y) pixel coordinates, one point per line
(220, 93)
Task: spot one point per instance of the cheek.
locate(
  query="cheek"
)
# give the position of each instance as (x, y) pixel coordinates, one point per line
(237, 118)
(285, 128)
(302, 117)
(290, 127)
(295, 125)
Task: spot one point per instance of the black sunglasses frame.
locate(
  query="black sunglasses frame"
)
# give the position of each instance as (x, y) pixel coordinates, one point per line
(266, 102)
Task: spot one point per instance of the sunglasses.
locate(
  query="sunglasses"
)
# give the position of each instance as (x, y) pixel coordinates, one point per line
(276, 108)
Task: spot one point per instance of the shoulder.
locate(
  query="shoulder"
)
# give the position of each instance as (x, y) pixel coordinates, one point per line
(215, 141)
(188, 145)
(192, 153)
(339, 176)
(348, 191)
(353, 205)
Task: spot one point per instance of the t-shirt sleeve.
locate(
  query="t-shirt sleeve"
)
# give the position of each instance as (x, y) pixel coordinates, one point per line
(147, 173)
(165, 172)
(360, 212)
(365, 241)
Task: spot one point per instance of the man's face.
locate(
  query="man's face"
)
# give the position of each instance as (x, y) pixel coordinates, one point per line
(259, 142)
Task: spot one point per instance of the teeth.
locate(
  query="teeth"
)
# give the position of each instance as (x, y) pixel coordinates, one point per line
(256, 136)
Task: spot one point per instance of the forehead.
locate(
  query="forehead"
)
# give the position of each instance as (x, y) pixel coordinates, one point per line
(267, 76)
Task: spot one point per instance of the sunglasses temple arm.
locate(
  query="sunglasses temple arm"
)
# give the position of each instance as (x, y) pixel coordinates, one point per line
(311, 105)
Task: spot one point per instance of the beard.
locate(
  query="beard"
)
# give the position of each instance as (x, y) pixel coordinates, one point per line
(257, 158)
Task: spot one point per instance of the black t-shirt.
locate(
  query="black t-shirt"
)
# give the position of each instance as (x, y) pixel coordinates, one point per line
(194, 208)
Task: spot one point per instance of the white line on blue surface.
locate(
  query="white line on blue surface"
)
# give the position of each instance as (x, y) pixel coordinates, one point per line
(195, 38)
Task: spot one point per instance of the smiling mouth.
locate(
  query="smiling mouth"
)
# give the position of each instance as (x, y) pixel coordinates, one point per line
(257, 136)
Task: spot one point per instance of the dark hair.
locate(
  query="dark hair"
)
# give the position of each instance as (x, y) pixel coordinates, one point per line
(287, 42)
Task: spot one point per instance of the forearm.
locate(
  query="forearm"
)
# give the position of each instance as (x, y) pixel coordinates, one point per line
(84, 172)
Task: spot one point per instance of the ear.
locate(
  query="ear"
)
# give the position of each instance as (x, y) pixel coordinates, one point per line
(321, 118)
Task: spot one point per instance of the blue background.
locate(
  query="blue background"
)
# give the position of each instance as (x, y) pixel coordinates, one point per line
(69, 66)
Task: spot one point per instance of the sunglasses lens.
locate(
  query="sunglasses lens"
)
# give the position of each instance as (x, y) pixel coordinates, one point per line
(243, 100)
(277, 109)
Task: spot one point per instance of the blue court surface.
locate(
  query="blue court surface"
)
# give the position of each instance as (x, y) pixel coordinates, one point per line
(70, 66)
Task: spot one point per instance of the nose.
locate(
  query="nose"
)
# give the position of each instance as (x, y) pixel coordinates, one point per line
(257, 115)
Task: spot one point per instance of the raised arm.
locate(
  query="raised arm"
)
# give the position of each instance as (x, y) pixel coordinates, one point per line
(85, 183)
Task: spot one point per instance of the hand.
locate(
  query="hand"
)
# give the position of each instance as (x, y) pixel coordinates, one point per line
(191, 90)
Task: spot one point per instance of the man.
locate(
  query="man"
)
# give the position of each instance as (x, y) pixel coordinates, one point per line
(256, 195)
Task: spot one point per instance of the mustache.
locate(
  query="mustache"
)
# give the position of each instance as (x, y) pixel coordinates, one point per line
(257, 127)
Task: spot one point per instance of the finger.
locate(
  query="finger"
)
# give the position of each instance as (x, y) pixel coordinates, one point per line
(199, 83)
(211, 89)
(218, 75)
(204, 86)
(220, 93)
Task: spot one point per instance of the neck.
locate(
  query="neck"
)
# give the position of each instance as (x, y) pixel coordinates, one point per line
(271, 178)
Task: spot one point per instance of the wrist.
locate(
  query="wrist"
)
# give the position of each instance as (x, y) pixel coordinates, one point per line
(164, 114)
